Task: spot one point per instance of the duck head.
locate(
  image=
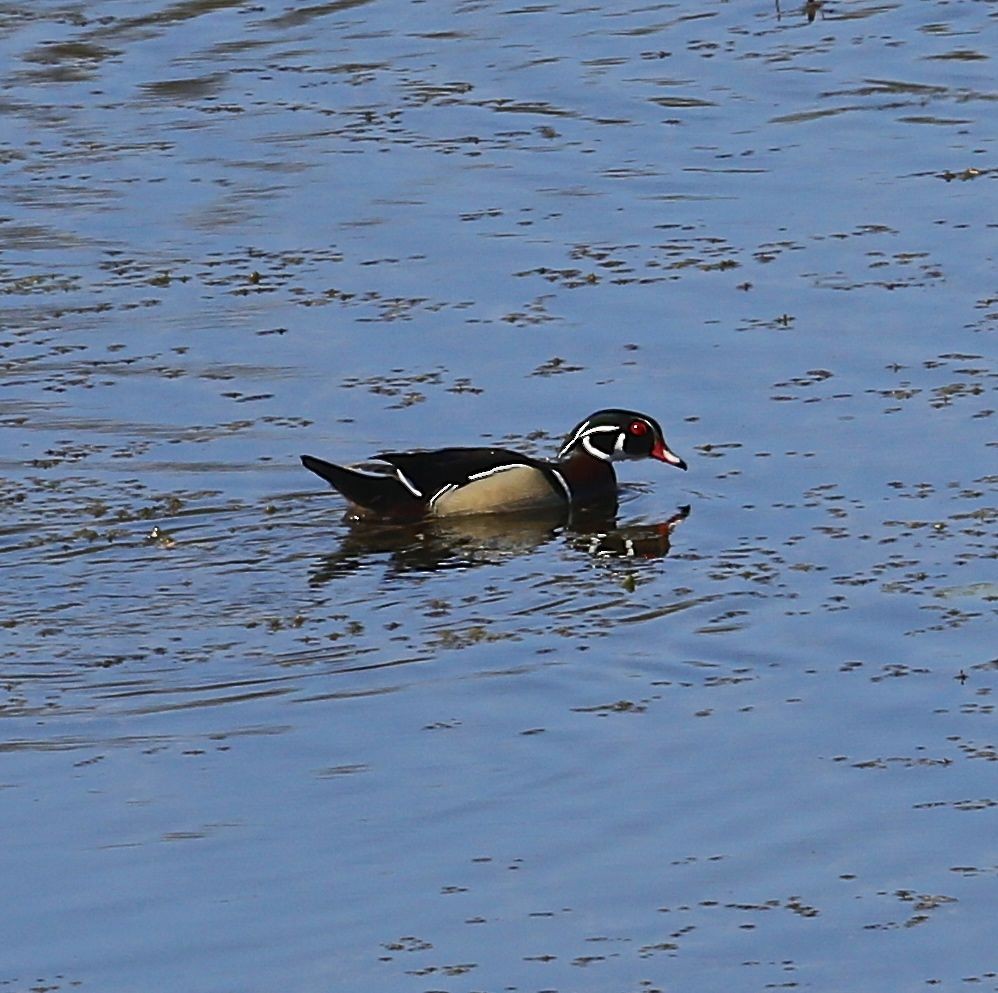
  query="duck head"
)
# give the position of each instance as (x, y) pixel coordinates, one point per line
(615, 435)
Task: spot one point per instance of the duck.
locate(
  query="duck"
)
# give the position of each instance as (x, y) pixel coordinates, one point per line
(452, 482)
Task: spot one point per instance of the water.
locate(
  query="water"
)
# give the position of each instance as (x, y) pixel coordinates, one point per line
(248, 746)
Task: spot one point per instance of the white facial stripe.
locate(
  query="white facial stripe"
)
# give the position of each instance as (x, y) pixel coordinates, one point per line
(594, 452)
(584, 433)
(407, 483)
(619, 444)
(575, 437)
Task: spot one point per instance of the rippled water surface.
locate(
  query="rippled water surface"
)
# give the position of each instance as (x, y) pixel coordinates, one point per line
(245, 745)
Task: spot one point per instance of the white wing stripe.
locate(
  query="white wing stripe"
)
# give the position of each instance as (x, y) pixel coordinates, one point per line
(407, 483)
(379, 474)
(498, 468)
(442, 492)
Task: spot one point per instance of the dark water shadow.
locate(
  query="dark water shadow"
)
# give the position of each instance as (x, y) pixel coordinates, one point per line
(461, 543)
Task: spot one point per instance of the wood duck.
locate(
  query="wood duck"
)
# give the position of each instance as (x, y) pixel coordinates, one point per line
(457, 481)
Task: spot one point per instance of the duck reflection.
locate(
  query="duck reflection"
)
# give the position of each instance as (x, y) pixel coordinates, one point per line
(437, 544)
(632, 541)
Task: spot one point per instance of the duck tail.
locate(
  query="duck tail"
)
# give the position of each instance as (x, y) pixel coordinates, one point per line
(377, 493)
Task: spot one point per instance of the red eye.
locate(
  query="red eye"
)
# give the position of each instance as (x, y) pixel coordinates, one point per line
(638, 428)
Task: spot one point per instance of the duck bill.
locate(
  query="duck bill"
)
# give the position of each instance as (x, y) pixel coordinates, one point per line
(663, 454)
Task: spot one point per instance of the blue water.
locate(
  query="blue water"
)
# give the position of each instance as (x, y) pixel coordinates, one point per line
(247, 746)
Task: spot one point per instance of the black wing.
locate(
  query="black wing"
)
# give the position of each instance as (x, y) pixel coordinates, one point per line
(430, 472)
